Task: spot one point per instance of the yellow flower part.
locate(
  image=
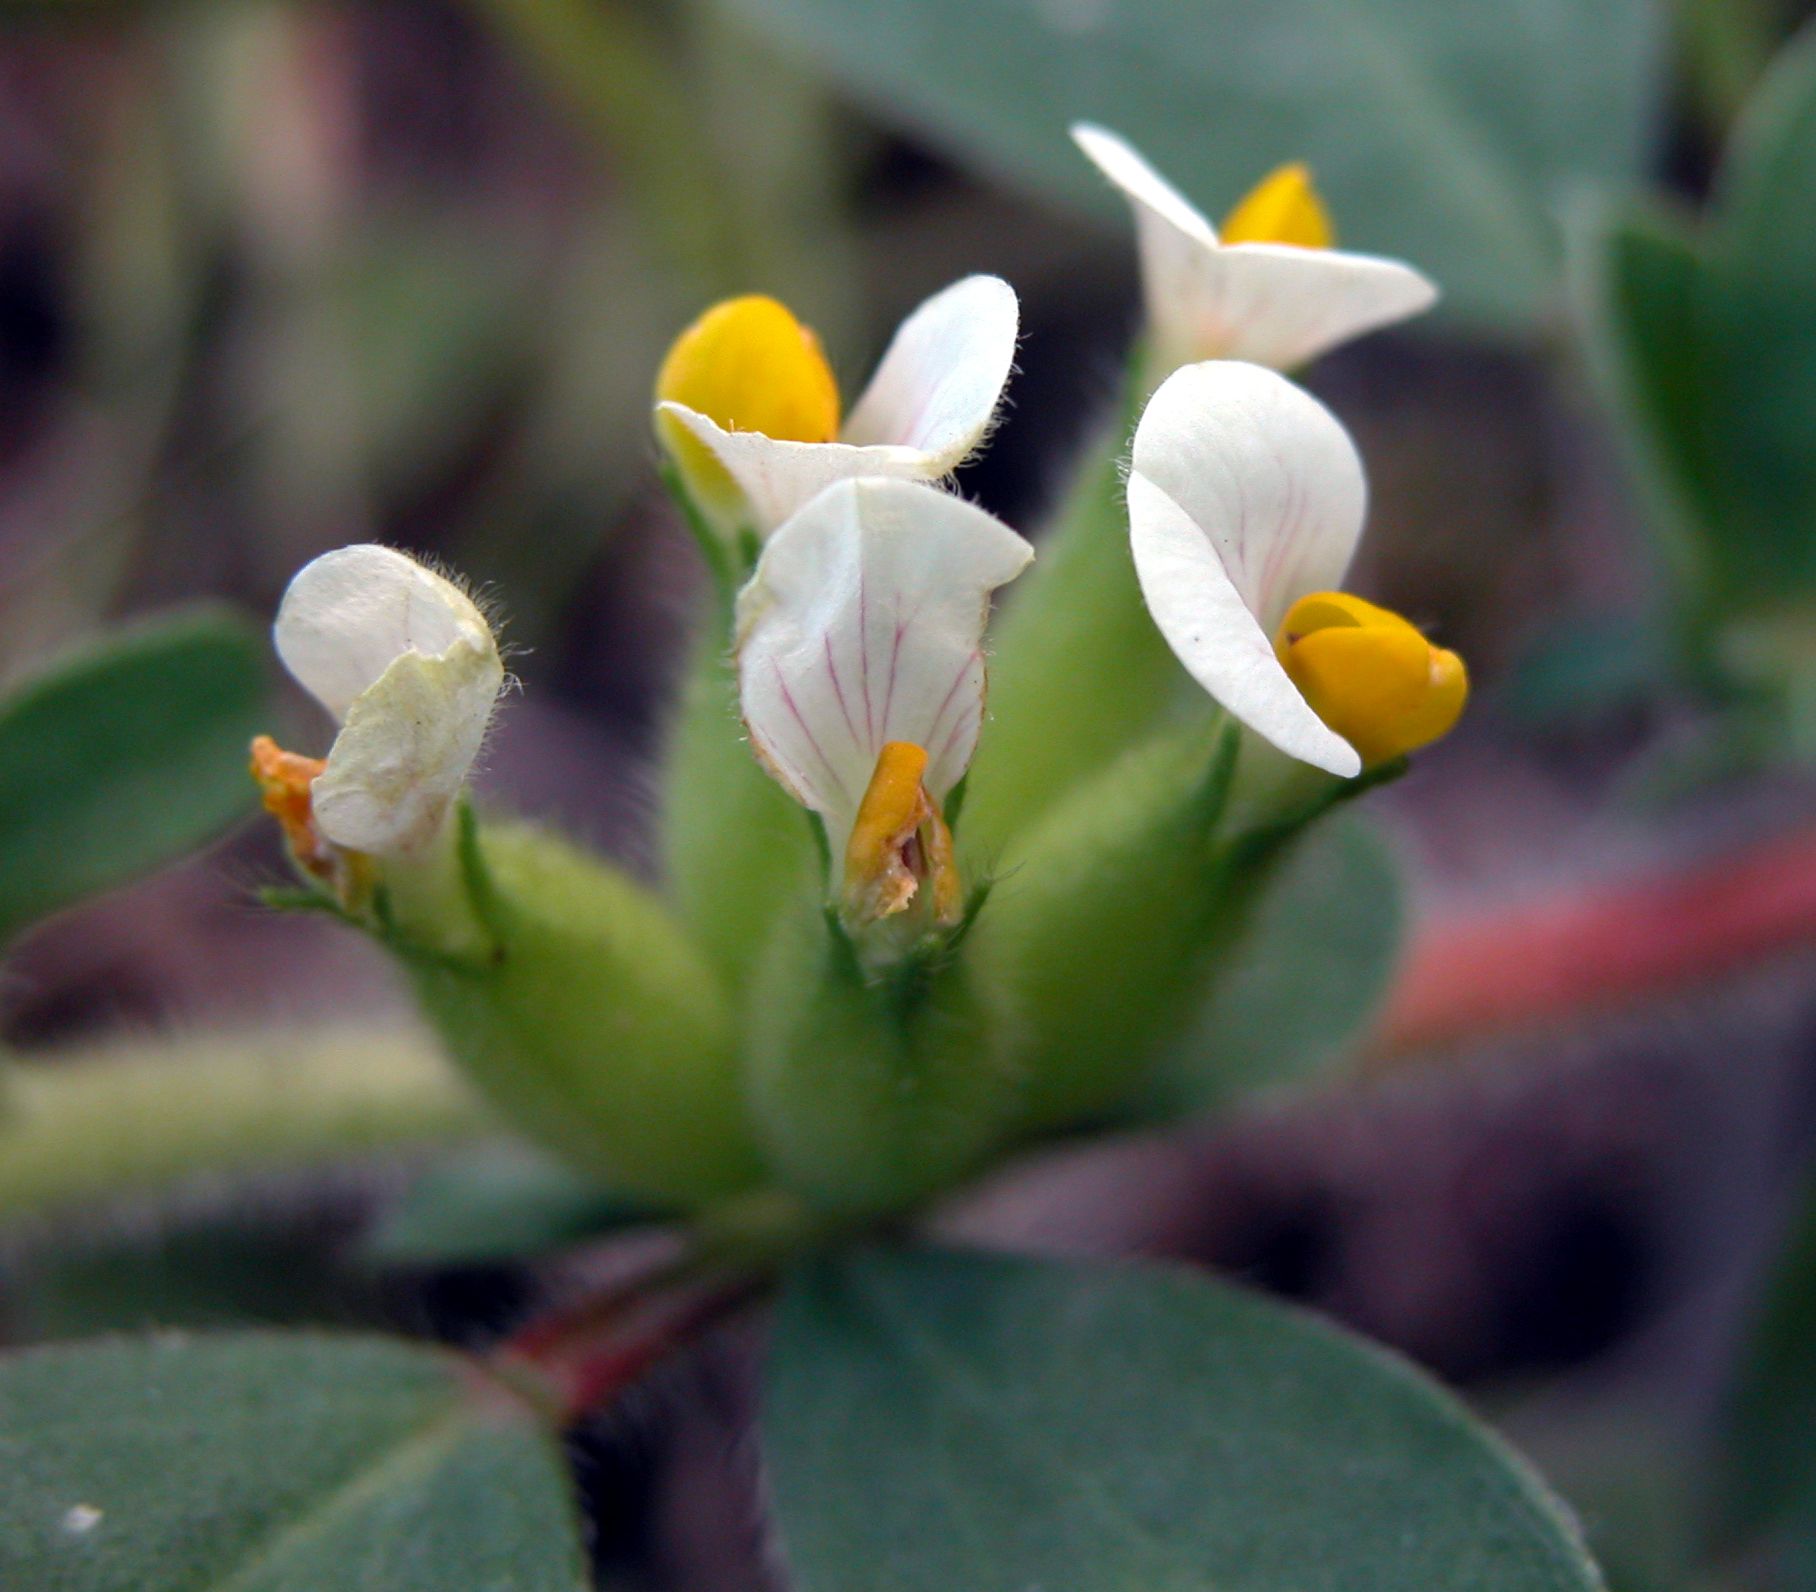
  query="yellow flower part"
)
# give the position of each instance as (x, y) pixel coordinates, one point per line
(748, 365)
(1370, 675)
(1283, 207)
(900, 842)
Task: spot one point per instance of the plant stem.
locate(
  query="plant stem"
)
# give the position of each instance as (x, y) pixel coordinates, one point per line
(1562, 958)
(141, 1117)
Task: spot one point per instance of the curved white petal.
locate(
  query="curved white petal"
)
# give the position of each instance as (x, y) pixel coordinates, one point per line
(864, 624)
(1280, 306)
(1172, 236)
(1268, 303)
(404, 752)
(777, 478)
(943, 374)
(349, 613)
(1245, 494)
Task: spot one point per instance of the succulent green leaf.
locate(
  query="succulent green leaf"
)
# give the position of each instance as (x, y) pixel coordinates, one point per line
(123, 757)
(943, 1420)
(265, 1462)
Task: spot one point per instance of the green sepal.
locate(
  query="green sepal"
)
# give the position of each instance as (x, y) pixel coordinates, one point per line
(873, 1089)
(1078, 671)
(1104, 919)
(594, 1025)
(734, 848)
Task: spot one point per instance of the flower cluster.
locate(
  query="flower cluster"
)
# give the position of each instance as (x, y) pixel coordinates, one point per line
(875, 1053)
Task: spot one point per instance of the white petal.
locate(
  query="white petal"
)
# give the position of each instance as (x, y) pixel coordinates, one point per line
(1173, 237)
(1276, 305)
(404, 752)
(940, 380)
(777, 478)
(1245, 494)
(348, 614)
(864, 624)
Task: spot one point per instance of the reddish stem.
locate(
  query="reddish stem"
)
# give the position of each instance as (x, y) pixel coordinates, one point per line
(586, 1355)
(1471, 977)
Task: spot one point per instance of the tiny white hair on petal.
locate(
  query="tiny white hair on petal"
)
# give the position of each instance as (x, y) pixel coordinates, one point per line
(929, 406)
(1245, 494)
(347, 614)
(938, 385)
(407, 662)
(864, 624)
(1272, 304)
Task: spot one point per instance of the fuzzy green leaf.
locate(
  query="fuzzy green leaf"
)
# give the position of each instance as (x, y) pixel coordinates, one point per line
(939, 1420)
(124, 757)
(263, 1462)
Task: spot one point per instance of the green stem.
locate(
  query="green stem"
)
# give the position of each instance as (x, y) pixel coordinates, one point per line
(138, 1118)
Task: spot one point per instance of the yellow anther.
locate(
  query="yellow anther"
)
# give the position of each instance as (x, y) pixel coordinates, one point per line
(900, 843)
(1283, 207)
(749, 365)
(1370, 675)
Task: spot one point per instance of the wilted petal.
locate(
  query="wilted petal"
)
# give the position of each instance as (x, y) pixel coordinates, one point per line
(409, 664)
(349, 613)
(1245, 494)
(939, 383)
(863, 625)
(405, 750)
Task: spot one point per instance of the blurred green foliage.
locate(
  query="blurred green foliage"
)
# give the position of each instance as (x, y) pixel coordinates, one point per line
(123, 757)
(1442, 132)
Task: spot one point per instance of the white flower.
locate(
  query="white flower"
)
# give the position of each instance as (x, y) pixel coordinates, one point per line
(1279, 304)
(408, 664)
(927, 408)
(861, 672)
(1246, 500)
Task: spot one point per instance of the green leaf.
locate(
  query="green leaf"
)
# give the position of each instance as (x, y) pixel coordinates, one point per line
(1308, 972)
(1705, 340)
(263, 1462)
(498, 1203)
(937, 1421)
(123, 758)
(1442, 132)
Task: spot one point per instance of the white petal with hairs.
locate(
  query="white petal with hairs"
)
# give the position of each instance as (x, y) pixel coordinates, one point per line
(408, 664)
(929, 406)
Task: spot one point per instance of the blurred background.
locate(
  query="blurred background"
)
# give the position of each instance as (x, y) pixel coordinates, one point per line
(279, 277)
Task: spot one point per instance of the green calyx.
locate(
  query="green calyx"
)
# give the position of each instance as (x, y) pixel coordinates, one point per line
(1100, 932)
(875, 1089)
(574, 1000)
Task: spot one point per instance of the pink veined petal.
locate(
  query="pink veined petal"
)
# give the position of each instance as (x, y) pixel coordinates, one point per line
(862, 625)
